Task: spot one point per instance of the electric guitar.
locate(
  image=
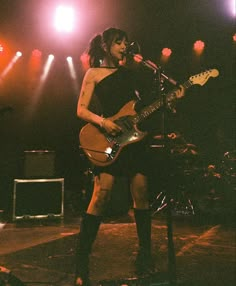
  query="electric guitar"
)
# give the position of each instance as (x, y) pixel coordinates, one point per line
(102, 149)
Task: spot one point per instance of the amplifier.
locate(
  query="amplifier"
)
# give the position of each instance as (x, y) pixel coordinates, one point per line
(39, 164)
(38, 198)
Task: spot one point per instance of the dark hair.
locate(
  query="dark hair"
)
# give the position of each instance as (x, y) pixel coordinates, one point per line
(96, 51)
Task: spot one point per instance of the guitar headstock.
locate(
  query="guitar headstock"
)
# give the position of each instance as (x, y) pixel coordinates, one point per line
(203, 77)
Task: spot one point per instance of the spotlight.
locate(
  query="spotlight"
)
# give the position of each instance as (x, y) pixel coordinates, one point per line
(234, 37)
(50, 57)
(166, 52)
(36, 53)
(199, 46)
(233, 7)
(1, 48)
(85, 61)
(72, 73)
(64, 19)
(138, 58)
(10, 64)
(18, 54)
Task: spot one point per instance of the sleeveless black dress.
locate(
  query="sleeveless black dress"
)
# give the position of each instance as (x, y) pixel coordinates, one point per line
(113, 92)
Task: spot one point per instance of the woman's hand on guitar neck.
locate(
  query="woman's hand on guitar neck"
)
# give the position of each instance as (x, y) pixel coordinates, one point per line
(180, 92)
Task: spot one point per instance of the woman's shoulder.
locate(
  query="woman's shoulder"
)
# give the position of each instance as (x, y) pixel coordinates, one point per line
(99, 73)
(91, 71)
(91, 74)
(95, 71)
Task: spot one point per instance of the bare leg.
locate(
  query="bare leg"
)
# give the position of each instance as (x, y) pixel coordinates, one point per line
(101, 194)
(139, 191)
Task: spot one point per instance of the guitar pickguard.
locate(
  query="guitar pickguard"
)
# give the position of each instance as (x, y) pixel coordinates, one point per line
(129, 133)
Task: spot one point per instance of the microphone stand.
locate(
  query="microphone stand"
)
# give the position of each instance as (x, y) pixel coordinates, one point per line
(158, 76)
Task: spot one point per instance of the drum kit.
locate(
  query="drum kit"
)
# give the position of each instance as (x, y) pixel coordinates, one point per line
(192, 186)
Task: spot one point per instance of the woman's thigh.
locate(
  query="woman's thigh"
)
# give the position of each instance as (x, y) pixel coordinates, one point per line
(103, 184)
(139, 191)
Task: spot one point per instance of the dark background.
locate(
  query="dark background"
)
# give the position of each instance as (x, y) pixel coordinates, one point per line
(205, 116)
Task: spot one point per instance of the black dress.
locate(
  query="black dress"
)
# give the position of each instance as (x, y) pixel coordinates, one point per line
(113, 92)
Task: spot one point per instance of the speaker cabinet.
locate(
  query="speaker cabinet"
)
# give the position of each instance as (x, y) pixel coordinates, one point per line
(38, 198)
(39, 164)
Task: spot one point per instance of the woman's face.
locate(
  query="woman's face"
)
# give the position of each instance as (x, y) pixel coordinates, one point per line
(118, 48)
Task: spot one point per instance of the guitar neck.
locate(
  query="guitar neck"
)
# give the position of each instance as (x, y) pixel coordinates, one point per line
(150, 109)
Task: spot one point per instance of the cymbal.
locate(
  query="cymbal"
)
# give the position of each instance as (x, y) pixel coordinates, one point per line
(186, 149)
(172, 136)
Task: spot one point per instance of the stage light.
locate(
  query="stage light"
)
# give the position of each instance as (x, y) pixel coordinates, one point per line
(10, 65)
(35, 65)
(1, 48)
(64, 19)
(138, 58)
(165, 55)
(42, 80)
(69, 59)
(166, 52)
(18, 54)
(50, 57)
(199, 47)
(234, 37)
(71, 67)
(73, 73)
(233, 7)
(36, 53)
(85, 61)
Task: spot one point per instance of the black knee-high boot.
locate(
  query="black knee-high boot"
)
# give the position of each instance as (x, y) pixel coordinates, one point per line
(88, 231)
(143, 261)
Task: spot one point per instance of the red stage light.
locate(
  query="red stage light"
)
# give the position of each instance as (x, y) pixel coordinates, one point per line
(166, 52)
(199, 46)
(35, 65)
(138, 58)
(36, 53)
(85, 61)
(234, 37)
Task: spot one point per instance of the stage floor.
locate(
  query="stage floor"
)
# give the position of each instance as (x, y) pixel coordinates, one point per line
(42, 252)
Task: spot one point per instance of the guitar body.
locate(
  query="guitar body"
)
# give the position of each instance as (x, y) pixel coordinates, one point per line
(103, 149)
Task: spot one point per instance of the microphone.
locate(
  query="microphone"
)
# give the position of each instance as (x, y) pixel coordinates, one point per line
(132, 49)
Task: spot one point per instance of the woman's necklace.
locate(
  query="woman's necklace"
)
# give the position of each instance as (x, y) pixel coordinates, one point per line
(104, 64)
(108, 67)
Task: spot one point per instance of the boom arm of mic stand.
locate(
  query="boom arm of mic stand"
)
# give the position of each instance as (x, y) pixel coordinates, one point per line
(151, 65)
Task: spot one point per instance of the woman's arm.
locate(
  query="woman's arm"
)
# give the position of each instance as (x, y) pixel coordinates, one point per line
(86, 93)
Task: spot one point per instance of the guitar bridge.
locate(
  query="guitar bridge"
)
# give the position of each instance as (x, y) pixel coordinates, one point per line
(112, 151)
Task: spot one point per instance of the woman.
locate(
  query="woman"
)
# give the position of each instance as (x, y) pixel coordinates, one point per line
(113, 85)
